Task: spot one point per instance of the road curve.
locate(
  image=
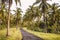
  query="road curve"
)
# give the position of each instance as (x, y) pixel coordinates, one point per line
(29, 36)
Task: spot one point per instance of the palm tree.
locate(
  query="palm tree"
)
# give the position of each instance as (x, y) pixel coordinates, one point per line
(18, 16)
(31, 13)
(9, 3)
(18, 12)
(28, 14)
(55, 14)
(43, 6)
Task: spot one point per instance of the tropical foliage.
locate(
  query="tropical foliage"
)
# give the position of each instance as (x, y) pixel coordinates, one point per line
(43, 17)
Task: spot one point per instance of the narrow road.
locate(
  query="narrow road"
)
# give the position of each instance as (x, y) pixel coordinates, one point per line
(29, 36)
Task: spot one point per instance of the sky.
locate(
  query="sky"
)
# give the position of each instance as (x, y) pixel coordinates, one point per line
(25, 4)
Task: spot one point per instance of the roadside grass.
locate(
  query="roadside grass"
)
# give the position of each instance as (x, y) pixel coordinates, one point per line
(14, 34)
(45, 36)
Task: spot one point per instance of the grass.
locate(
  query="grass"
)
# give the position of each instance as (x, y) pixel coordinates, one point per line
(14, 34)
(45, 36)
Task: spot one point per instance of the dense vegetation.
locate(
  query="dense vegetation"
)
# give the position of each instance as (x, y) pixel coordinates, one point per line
(7, 19)
(43, 17)
(39, 18)
(14, 34)
(45, 36)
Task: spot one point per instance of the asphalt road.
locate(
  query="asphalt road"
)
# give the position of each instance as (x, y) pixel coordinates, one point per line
(29, 36)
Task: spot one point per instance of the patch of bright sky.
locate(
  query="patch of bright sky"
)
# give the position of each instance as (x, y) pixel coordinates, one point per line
(25, 4)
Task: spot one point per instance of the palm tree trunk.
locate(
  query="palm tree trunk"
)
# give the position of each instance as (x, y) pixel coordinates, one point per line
(17, 22)
(45, 20)
(17, 25)
(57, 24)
(8, 23)
(8, 20)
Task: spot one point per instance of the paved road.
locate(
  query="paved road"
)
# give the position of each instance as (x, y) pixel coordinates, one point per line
(29, 36)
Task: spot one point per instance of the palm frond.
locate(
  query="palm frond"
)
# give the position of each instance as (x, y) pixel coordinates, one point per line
(19, 2)
(16, 1)
(40, 5)
(37, 1)
(48, 5)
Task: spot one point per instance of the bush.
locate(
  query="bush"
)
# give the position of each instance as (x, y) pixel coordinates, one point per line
(2, 27)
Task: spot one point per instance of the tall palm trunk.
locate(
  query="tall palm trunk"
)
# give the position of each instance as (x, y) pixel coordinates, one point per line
(57, 23)
(17, 22)
(44, 16)
(8, 20)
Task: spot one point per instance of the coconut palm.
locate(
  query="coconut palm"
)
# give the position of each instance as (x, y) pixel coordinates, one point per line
(18, 16)
(44, 6)
(31, 13)
(55, 14)
(9, 2)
